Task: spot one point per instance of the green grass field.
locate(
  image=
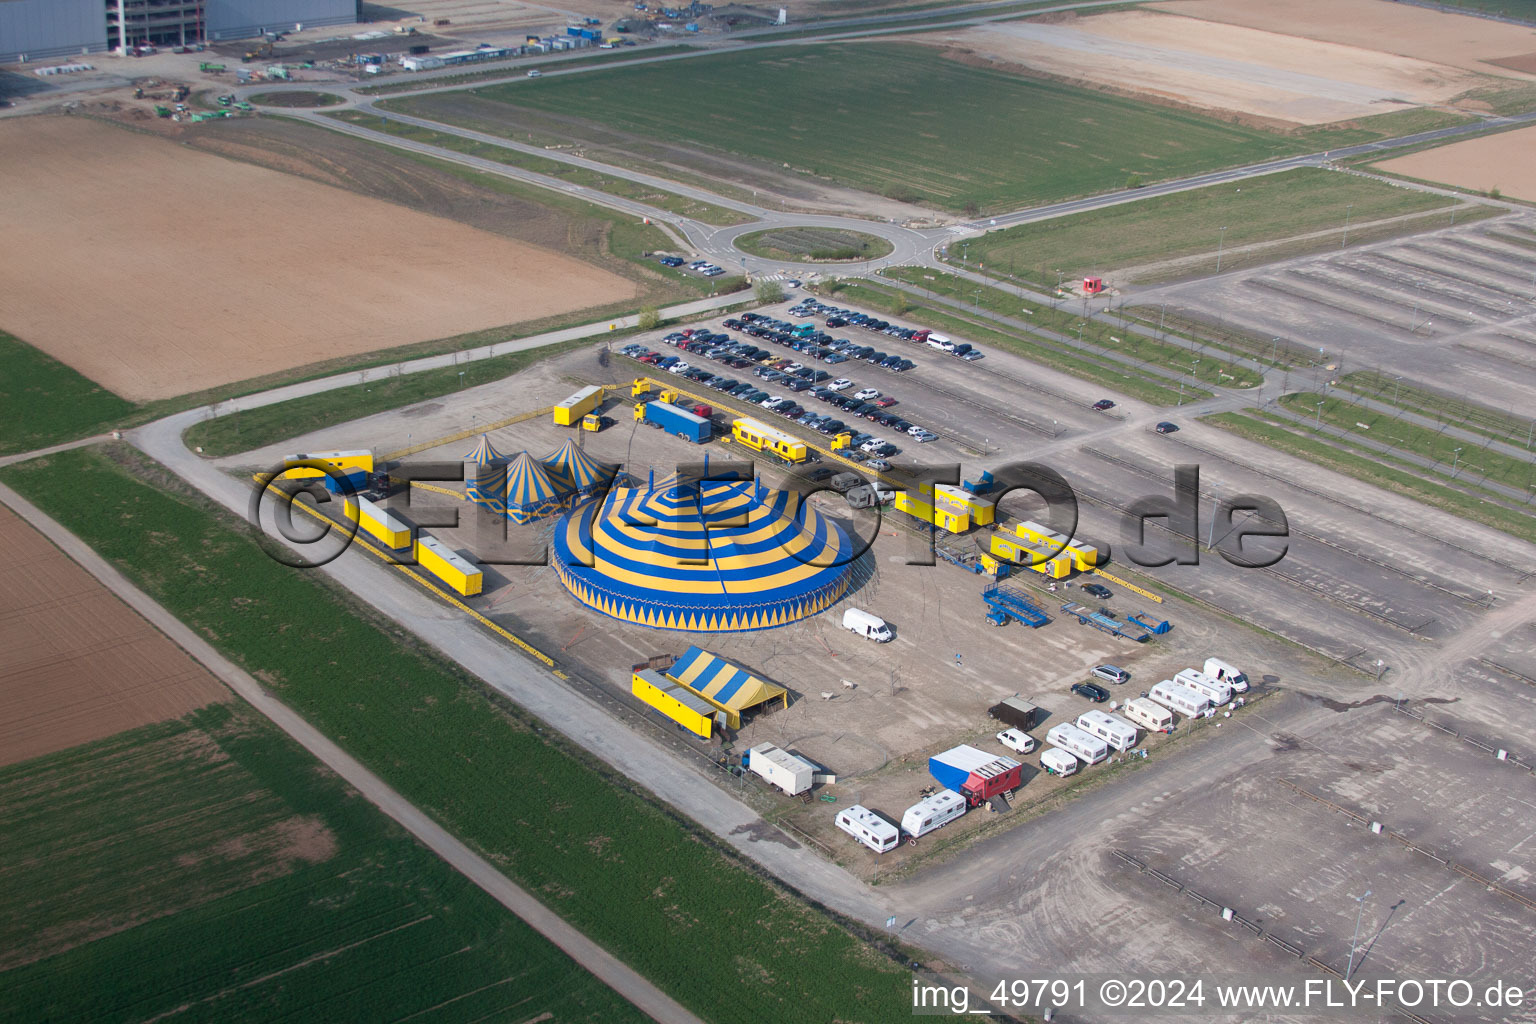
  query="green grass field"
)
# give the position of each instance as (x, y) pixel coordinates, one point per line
(896, 119)
(1372, 469)
(811, 243)
(44, 402)
(410, 82)
(634, 878)
(1262, 209)
(208, 868)
(1443, 408)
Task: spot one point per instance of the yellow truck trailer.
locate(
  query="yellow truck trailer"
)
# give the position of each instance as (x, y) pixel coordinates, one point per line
(763, 438)
(1022, 552)
(569, 413)
(378, 523)
(441, 561)
(674, 700)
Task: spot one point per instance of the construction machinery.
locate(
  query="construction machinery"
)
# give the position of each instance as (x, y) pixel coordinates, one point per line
(211, 68)
(264, 50)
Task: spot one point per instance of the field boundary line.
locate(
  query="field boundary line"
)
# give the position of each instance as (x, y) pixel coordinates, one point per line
(606, 967)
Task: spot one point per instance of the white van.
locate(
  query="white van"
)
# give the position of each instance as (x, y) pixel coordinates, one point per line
(1217, 693)
(1112, 729)
(1178, 697)
(1078, 743)
(1215, 668)
(941, 343)
(868, 828)
(1150, 716)
(1058, 762)
(856, 620)
(933, 812)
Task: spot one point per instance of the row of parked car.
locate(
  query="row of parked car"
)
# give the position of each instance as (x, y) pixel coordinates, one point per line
(815, 343)
(836, 317)
(704, 267)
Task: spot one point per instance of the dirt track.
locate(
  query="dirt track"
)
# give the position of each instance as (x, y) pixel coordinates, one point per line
(1500, 161)
(238, 271)
(79, 664)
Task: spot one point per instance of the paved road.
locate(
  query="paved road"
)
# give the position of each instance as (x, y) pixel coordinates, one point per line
(612, 971)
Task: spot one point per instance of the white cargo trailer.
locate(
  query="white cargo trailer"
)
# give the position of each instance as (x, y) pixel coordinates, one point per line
(1221, 670)
(1178, 697)
(933, 812)
(1078, 743)
(1058, 762)
(1217, 693)
(781, 768)
(1112, 729)
(1148, 714)
(868, 828)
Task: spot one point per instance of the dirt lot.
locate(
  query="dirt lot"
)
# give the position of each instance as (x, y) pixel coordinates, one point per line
(221, 286)
(1457, 40)
(1500, 161)
(80, 665)
(1269, 74)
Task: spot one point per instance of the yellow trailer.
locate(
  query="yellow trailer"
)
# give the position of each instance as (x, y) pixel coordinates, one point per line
(1022, 552)
(441, 561)
(569, 412)
(763, 438)
(1084, 555)
(355, 465)
(677, 702)
(914, 504)
(378, 523)
(952, 521)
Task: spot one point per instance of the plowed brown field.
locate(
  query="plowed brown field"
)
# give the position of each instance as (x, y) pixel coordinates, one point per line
(79, 664)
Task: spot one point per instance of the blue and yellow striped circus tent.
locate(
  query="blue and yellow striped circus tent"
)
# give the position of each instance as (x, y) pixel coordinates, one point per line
(531, 494)
(485, 477)
(578, 470)
(704, 557)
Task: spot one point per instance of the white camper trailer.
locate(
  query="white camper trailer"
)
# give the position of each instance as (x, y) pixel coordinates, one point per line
(1058, 762)
(1112, 729)
(1078, 743)
(933, 812)
(781, 768)
(1217, 693)
(1215, 668)
(868, 828)
(1148, 714)
(856, 620)
(1178, 697)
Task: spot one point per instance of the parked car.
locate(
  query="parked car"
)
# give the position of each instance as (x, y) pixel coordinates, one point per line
(1167, 428)
(867, 394)
(1098, 590)
(841, 384)
(1018, 742)
(1092, 691)
(885, 402)
(1103, 404)
(878, 465)
(1111, 674)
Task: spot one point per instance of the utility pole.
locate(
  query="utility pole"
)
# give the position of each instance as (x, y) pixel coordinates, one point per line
(1210, 539)
(1345, 240)
(1220, 240)
(1354, 943)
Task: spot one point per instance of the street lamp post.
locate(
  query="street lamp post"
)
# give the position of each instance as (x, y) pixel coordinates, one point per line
(1345, 240)
(1397, 389)
(1220, 240)
(1354, 943)
(1455, 463)
(1318, 425)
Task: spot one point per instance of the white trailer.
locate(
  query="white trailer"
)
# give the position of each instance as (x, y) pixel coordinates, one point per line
(933, 812)
(1217, 693)
(1112, 729)
(781, 768)
(1058, 762)
(1148, 714)
(868, 828)
(1078, 743)
(1178, 697)
(1215, 668)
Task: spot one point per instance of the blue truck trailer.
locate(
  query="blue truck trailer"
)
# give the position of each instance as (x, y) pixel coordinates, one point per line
(674, 420)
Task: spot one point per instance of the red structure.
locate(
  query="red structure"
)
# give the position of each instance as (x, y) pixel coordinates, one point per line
(1093, 285)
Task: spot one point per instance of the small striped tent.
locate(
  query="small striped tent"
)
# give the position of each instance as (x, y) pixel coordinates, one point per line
(531, 493)
(582, 472)
(728, 687)
(486, 476)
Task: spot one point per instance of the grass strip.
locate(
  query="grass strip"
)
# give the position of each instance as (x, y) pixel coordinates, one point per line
(668, 900)
(43, 402)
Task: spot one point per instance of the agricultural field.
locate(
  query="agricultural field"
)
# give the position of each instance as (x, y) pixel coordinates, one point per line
(829, 244)
(80, 665)
(897, 120)
(1498, 164)
(43, 402)
(222, 288)
(633, 878)
(214, 870)
(1142, 240)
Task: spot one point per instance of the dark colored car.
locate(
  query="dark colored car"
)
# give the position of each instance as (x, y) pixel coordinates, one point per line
(1093, 691)
(1103, 404)
(1167, 428)
(1097, 590)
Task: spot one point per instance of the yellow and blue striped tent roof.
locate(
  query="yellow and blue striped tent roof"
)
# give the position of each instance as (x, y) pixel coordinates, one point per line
(529, 486)
(711, 556)
(583, 471)
(723, 684)
(485, 453)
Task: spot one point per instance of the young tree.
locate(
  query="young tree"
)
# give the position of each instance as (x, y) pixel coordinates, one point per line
(650, 318)
(768, 292)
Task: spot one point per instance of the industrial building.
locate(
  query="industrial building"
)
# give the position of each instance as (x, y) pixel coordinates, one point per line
(44, 29)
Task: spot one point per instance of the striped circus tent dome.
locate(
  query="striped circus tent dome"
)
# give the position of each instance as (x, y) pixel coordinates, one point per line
(715, 556)
(581, 471)
(485, 477)
(531, 493)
